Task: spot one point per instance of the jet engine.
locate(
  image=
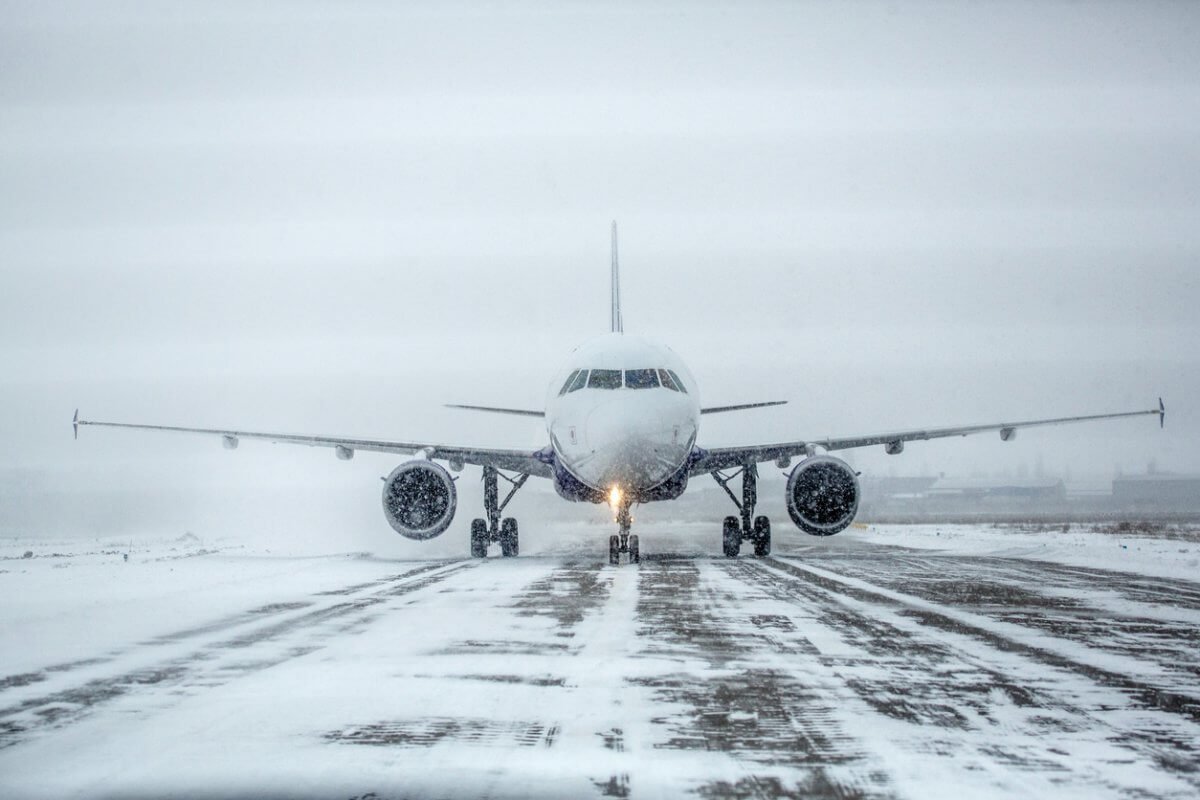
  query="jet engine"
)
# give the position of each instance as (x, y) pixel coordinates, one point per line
(822, 495)
(419, 499)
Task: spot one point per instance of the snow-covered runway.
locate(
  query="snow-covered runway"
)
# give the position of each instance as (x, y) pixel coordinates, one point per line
(861, 669)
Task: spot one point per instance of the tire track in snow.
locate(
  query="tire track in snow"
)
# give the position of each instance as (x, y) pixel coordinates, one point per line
(1078, 656)
(564, 597)
(1065, 603)
(556, 692)
(886, 564)
(216, 662)
(734, 694)
(923, 665)
(219, 625)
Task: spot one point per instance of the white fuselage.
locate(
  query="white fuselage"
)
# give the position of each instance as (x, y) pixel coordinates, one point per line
(631, 421)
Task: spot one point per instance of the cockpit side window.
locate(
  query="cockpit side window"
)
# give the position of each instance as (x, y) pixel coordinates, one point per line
(567, 384)
(678, 382)
(667, 380)
(580, 381)
(641, 379)
(604, 379)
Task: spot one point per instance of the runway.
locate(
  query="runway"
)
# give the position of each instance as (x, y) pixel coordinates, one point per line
(823, 671)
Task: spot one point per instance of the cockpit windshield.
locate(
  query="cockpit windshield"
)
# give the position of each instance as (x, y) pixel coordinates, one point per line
(648, 378)
(671, 380)
(567, 384)
(641, 378)
(604, 379)
(580, 380)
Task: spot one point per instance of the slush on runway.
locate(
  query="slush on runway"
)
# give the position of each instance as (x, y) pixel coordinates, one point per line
(831, 670)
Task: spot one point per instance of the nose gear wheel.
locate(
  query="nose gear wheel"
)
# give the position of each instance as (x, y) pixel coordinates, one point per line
(622, 541)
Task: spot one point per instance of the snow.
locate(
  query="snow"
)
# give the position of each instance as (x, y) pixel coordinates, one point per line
(840, 666)
(1080, 545)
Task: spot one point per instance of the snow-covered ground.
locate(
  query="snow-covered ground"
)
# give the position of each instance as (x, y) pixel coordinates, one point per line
(910, 661)
(1172, 553)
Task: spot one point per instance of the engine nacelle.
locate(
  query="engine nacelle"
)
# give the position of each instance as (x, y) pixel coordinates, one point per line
(419, 499)
(822, 495)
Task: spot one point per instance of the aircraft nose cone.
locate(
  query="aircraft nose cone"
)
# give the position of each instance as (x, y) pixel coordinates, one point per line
(636, 447)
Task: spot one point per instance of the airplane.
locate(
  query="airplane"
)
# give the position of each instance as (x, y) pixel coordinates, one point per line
(622, 416)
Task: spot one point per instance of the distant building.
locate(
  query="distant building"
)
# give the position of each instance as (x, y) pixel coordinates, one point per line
(884, 496)
(913, 499)
(893, 487)
(919, 496)
(996, 495)
(983, 489)
(1158, 492)
(1089, 489)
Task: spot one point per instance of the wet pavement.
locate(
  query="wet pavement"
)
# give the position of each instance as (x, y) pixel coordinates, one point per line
(817, 672)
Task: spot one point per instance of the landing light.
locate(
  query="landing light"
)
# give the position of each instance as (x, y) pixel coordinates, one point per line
(614, 496)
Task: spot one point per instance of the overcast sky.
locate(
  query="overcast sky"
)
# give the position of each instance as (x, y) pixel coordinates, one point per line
(335, 217)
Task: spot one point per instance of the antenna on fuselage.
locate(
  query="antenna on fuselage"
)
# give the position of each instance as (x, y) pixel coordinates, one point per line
(618, 324)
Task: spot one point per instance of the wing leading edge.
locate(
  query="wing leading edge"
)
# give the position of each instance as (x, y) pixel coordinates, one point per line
(742, 407)
(513, 460)
(729, 457)
(519, 412)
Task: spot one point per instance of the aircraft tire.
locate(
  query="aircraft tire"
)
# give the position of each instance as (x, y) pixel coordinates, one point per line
(509, 544)
(479, 538)
(614, 550)
(635, 556)
(762, 537)
(731, 537)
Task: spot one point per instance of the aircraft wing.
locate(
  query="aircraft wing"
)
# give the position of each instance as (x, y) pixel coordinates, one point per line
(730, 457)
(514, 460)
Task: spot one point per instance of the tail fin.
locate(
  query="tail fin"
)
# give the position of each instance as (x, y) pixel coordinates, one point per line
(618, 324)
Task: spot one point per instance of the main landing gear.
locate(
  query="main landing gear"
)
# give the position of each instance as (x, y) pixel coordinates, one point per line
(494, 529)
(749, 528)
(623, 542)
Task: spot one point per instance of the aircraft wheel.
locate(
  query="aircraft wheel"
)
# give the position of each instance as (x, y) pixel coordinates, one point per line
(479, 538)
(762, 536)
(731, 536)
(635, 555)
(508, 537)
(614, 549)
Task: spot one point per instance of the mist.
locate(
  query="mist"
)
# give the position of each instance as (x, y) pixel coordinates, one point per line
(334, 218)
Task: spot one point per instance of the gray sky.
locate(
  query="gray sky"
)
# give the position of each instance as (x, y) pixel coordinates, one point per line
(334, 217)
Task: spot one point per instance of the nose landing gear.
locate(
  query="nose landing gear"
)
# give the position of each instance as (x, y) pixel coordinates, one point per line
(623, 542)
(749, 528)
(493, 529)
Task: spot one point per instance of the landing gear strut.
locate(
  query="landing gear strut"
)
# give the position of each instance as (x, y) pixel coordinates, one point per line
(623, 542)
(494, 529)
(749, 527)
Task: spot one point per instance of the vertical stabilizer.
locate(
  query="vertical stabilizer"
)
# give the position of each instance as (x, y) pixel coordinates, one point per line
(618, 325)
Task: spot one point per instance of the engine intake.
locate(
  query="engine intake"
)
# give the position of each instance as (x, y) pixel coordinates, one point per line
(419, 499)
(822, 495)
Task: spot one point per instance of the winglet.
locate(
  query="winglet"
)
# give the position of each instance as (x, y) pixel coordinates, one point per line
(75, 423)
(618, 324)
(1162, 413)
